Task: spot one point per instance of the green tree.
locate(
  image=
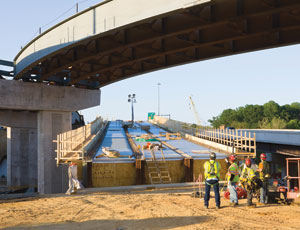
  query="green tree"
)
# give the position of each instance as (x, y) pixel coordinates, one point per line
(292, 124)
(278, 123)
(271, 109)
(267, 116)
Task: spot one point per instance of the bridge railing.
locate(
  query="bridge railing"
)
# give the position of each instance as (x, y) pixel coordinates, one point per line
(241, 142)
(71, 144)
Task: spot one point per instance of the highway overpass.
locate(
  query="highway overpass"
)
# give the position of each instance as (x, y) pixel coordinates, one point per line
(118, 39)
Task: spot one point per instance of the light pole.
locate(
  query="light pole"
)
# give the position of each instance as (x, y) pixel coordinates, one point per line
(131, 98)
(158, 99)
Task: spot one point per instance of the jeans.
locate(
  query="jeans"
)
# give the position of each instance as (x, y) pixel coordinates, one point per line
(249, 197)
(233, 192)
(207, 194)
(264, 193)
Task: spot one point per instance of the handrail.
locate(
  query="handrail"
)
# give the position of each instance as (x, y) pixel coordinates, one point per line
(242, 141)
(70, 144)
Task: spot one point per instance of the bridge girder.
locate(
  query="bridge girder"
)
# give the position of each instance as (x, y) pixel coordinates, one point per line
(216, 29)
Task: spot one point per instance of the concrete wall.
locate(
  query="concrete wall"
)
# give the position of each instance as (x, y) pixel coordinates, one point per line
(94, 21)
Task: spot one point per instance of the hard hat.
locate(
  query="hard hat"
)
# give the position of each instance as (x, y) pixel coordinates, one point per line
(263, 156)
(248, 162)
(232, 158)
(212, 156)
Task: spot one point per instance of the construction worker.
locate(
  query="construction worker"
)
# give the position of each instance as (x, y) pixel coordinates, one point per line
(212, 176)
(263, 170)
(232, 180)
(247, 181)
(74, 183)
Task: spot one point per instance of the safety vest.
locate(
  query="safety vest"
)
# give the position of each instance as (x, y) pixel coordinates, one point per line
(248, 173)
(233, 169)
(212, 170)
(265, 170)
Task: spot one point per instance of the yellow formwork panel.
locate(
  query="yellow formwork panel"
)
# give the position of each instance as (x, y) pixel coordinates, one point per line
(176, 170)
(113, 174)
(124, 174)
(199, 168)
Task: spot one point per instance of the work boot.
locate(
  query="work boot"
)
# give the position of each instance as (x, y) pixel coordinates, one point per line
(218, 207)
(233, 204)
(251, 206)
(260, 204)
(206, 206)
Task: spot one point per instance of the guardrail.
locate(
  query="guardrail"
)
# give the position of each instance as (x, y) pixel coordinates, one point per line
(71, 145)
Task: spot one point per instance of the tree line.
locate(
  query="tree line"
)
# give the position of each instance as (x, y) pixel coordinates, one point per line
(268, 116)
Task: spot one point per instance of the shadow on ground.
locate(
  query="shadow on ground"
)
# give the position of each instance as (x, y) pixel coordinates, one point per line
(150, 223)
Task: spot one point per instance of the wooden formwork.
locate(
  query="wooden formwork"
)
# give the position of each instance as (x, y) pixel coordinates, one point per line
(173, 136)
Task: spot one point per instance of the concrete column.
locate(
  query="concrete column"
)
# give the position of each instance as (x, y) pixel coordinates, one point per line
(21, 157)
(51, 179)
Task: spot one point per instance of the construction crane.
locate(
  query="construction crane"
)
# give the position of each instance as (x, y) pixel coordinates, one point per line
(195, 111)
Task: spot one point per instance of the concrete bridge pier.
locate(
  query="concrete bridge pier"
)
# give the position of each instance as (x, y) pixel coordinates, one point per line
(21, 147)
(52, 179)
(35, 114)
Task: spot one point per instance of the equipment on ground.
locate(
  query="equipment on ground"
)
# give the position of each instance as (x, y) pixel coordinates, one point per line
(293, 178)
(242, 193)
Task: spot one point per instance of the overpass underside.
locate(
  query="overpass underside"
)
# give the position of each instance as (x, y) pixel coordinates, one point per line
(213, 29)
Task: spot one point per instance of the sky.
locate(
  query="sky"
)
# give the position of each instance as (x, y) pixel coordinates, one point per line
(215, 85)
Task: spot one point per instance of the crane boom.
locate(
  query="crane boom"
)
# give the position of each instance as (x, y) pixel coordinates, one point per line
(195, 111)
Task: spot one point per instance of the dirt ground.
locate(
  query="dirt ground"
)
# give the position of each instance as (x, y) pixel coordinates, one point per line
(157, 209)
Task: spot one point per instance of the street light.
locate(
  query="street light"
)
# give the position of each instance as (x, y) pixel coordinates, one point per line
(131, 98)
(158, 84)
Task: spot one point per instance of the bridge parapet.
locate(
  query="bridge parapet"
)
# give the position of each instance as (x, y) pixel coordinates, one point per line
(276, 136)
(98, 19)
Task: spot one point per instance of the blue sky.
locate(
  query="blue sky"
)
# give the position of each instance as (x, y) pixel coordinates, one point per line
(215, 85)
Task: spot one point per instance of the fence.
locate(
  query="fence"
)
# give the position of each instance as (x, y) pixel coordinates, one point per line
(71, 144)
(243, 142)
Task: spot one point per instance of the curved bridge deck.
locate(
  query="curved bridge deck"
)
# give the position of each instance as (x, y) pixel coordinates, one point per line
(111, 42)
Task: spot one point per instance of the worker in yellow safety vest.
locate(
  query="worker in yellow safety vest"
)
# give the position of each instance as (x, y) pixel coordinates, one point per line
(232, 180)
(247, 181)
(212, 176)
(264, 170)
